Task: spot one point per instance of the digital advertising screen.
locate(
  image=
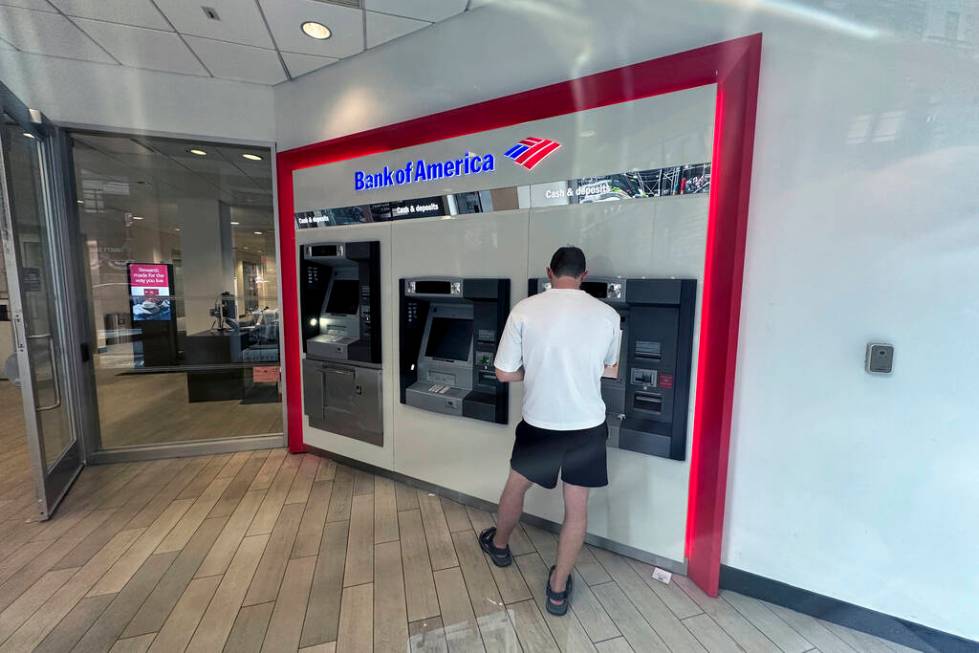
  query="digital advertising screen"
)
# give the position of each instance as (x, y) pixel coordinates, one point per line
(150, 291)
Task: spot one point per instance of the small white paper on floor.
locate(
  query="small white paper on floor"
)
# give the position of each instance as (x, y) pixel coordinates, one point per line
(662, 575)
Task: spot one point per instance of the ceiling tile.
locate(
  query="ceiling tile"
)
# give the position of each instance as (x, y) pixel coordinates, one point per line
(287, 16)
(250, 170)
(241, 62)
(300, 64)
(239, 21)
(40, 5)
(234, 153)
(430, 10)
(140, 13)
(143, 48)
(382, 28)
(114, 144)
(48, 33)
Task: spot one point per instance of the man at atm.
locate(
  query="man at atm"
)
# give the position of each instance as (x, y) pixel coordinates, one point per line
(559, 343)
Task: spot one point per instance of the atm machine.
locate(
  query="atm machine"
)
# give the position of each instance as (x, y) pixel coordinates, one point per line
(647, 404)
(450, 329)
(340, 306)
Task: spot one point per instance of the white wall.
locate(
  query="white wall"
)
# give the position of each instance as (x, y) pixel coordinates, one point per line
(863, 226)
(117, 97)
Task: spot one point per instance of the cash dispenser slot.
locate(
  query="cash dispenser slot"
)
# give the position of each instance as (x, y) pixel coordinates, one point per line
(647, 405)
(649, 402)
(449, 334)
(339, 307)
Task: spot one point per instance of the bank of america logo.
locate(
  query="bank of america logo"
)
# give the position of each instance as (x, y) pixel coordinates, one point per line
(531, 151)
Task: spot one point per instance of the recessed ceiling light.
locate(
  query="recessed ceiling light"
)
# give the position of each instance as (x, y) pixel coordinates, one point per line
(235, 223)
(136, 217)
(80, 201)
(316, 30)
(258, 233)
(28, 135)
(251, 157)
(197, 152)
(178, 229)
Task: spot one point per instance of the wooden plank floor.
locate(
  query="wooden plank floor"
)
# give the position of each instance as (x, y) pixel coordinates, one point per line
(125, 401)
(263, 551)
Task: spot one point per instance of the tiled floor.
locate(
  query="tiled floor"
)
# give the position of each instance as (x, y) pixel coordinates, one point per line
(264, 551)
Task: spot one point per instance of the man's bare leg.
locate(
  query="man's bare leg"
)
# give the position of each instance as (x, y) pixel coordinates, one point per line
(511, 507)
(572, 534)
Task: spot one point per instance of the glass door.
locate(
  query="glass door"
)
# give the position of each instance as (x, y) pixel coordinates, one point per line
(35, 267)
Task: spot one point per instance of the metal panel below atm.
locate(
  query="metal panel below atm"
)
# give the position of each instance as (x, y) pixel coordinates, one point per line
(344, 399)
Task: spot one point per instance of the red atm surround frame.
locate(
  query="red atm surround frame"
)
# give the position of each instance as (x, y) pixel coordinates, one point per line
(734, 66)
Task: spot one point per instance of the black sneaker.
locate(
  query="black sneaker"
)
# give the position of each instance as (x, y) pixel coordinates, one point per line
(500, 557)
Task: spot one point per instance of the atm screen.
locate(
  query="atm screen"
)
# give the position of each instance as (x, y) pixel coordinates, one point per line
(343, 297)
(598, 289)
(450, 338)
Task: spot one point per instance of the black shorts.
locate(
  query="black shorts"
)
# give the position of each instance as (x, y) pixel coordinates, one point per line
(539, 454)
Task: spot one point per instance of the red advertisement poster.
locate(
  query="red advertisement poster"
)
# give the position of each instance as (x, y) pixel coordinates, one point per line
(149, 279)
(265, 374)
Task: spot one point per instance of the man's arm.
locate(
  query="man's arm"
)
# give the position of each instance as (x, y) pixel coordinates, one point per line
(509, 377)
(509, 355)
(611, 370)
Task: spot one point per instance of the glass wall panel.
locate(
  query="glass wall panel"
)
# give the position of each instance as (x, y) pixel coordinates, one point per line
(180, 243)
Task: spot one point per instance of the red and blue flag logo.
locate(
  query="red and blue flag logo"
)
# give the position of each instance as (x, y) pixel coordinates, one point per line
(531, 151)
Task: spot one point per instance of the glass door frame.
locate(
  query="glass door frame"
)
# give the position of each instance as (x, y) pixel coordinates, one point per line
(89, 414)
(51, 482)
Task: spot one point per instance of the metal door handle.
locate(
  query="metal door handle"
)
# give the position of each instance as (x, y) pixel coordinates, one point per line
(54, 371)
(17, 324)
(323, 387)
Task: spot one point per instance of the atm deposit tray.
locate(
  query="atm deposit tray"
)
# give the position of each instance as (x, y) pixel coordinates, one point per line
(450, 329)
(340, 311)
(647, 405)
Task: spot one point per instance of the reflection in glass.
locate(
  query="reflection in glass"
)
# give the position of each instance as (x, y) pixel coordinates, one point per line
(184, 300)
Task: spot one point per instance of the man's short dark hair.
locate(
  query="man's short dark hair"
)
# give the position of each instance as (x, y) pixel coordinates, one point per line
(568, 262)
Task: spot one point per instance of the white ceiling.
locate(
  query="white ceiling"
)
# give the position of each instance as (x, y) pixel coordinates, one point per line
(258, 41)
(152, 177)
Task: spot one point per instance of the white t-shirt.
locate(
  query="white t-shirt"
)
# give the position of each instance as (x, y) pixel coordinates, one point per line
(563, 339)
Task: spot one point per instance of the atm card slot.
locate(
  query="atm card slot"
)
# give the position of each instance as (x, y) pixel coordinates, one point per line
(644, 377)
(649, 402)
(487, 377)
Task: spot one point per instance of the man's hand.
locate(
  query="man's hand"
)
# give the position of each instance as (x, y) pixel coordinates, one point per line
(611, 371)
(509, 377)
